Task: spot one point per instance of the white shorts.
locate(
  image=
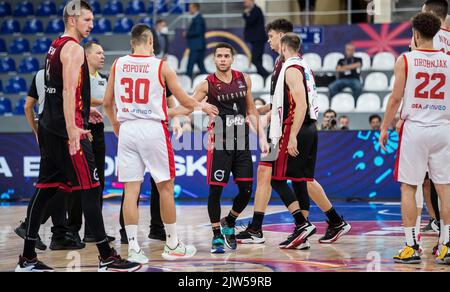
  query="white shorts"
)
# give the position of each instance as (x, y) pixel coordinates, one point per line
(421, 149)
(145, 145)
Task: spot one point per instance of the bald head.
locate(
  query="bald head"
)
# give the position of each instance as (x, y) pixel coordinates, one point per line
(349, 50)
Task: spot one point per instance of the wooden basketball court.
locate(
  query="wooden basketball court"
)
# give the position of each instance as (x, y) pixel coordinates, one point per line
(368, 247)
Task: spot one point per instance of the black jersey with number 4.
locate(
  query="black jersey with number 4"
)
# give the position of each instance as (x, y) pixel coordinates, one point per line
(52, 117)
(230, 99)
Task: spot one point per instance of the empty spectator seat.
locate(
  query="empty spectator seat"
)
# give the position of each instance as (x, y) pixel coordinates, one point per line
(19, 109)
(376, 81)
(172, 61)
(7, 65)
(5, 105)
(330, 61)
(23, 9)
(135, 7)
(384, 61)
(323, 102)
(343, 102)
(113, 7)
(10, 26)
(148, 21)
(19, 46)
(41, 45)
(33, 26)
(366, 62)
(2, 46)
(257, 82)
(123, 25)
(368, 102)
(16, 85)
(5, 9)
(55, 26)
(102, 25)
(314, 61)
(29, 65)
(46, 8)
(185, 82)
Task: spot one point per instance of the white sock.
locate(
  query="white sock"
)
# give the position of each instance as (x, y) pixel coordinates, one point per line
(171, 235)
(411, 236)
(441, 232)
(418, 227)
(446, 234)
(132, 237)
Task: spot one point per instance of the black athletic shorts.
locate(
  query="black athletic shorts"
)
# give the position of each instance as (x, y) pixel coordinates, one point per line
(58, 169)
(302, 167)
(221, 163)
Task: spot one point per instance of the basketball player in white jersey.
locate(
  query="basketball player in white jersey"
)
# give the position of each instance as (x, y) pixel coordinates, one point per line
(439, 8)
(137, 88)
(422, 84)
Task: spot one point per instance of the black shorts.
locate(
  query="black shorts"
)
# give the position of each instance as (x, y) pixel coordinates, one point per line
(220, 163)
(302, 167)
(58, 169)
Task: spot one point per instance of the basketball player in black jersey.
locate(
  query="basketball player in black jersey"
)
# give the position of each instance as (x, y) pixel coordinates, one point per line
(303, 189)
(67, 161)
(228, 149)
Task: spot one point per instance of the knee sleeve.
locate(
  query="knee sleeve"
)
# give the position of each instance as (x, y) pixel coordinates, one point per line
(215, 192)
(284, 191)
(301, 192)
(244, 196)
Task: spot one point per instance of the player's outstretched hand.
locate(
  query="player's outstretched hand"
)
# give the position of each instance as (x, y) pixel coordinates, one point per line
(265, 148)
(74, 139)
(292, 146)
(209, 109)
(177, 129)
(383, 138)
(95, 117)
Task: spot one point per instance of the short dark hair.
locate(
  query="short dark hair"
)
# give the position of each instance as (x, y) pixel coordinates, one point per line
(280, 25)
(140, 33)
(196, 5)
(292, 40)
(343, 117)
(427, 24)
(438, 7)
(87, 46)
(72, 4)
(160, 21)
(375, 116)
(226, 46)
(330, 111)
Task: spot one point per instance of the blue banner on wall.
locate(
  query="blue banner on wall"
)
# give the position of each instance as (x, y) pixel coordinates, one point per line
(350, 165)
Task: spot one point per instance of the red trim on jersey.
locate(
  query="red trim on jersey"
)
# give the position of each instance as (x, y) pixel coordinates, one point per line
(141, 56)
(61, 186)
(425, 50)
(244, 179)
(267, 164)
(209, 154)
(397, 160)
(160, 74)
(114, 67)
(170, 154)
(444, 29)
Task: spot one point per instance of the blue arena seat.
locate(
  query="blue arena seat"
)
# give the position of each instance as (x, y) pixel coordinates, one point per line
(19, 46)
(150, 8)
(10, 26)
(162, 7)
(123, 25)
(5, 105)
(96, 7)
(5, 9)
(23, 9)
(7, 65)
(102, 25)
(16, 85)
(41, 45)
(55, 26)
(19, 109)
(113, 7)
(177, 7)
(135, 7)
(46, 8)
(33, 26)
(148, 21)
(2, 46)
(1, 86)
(60, 9)
(29, 65)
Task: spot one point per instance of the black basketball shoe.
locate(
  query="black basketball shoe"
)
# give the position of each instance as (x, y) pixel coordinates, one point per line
(298, 236)
(250, 236)
(335, 232)
(157, 233)
(32, 266)
(21, 231)
(116, 264)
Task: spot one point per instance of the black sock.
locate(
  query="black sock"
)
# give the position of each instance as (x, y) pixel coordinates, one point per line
(333, 217)
(29, 249)
(231, 220)
(216, 231)
(299, 218)
(257, 221)
(104, 249)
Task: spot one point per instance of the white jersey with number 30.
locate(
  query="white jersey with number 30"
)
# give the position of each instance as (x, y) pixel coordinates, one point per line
(139, 91)
(441, 41)
(427, 90)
